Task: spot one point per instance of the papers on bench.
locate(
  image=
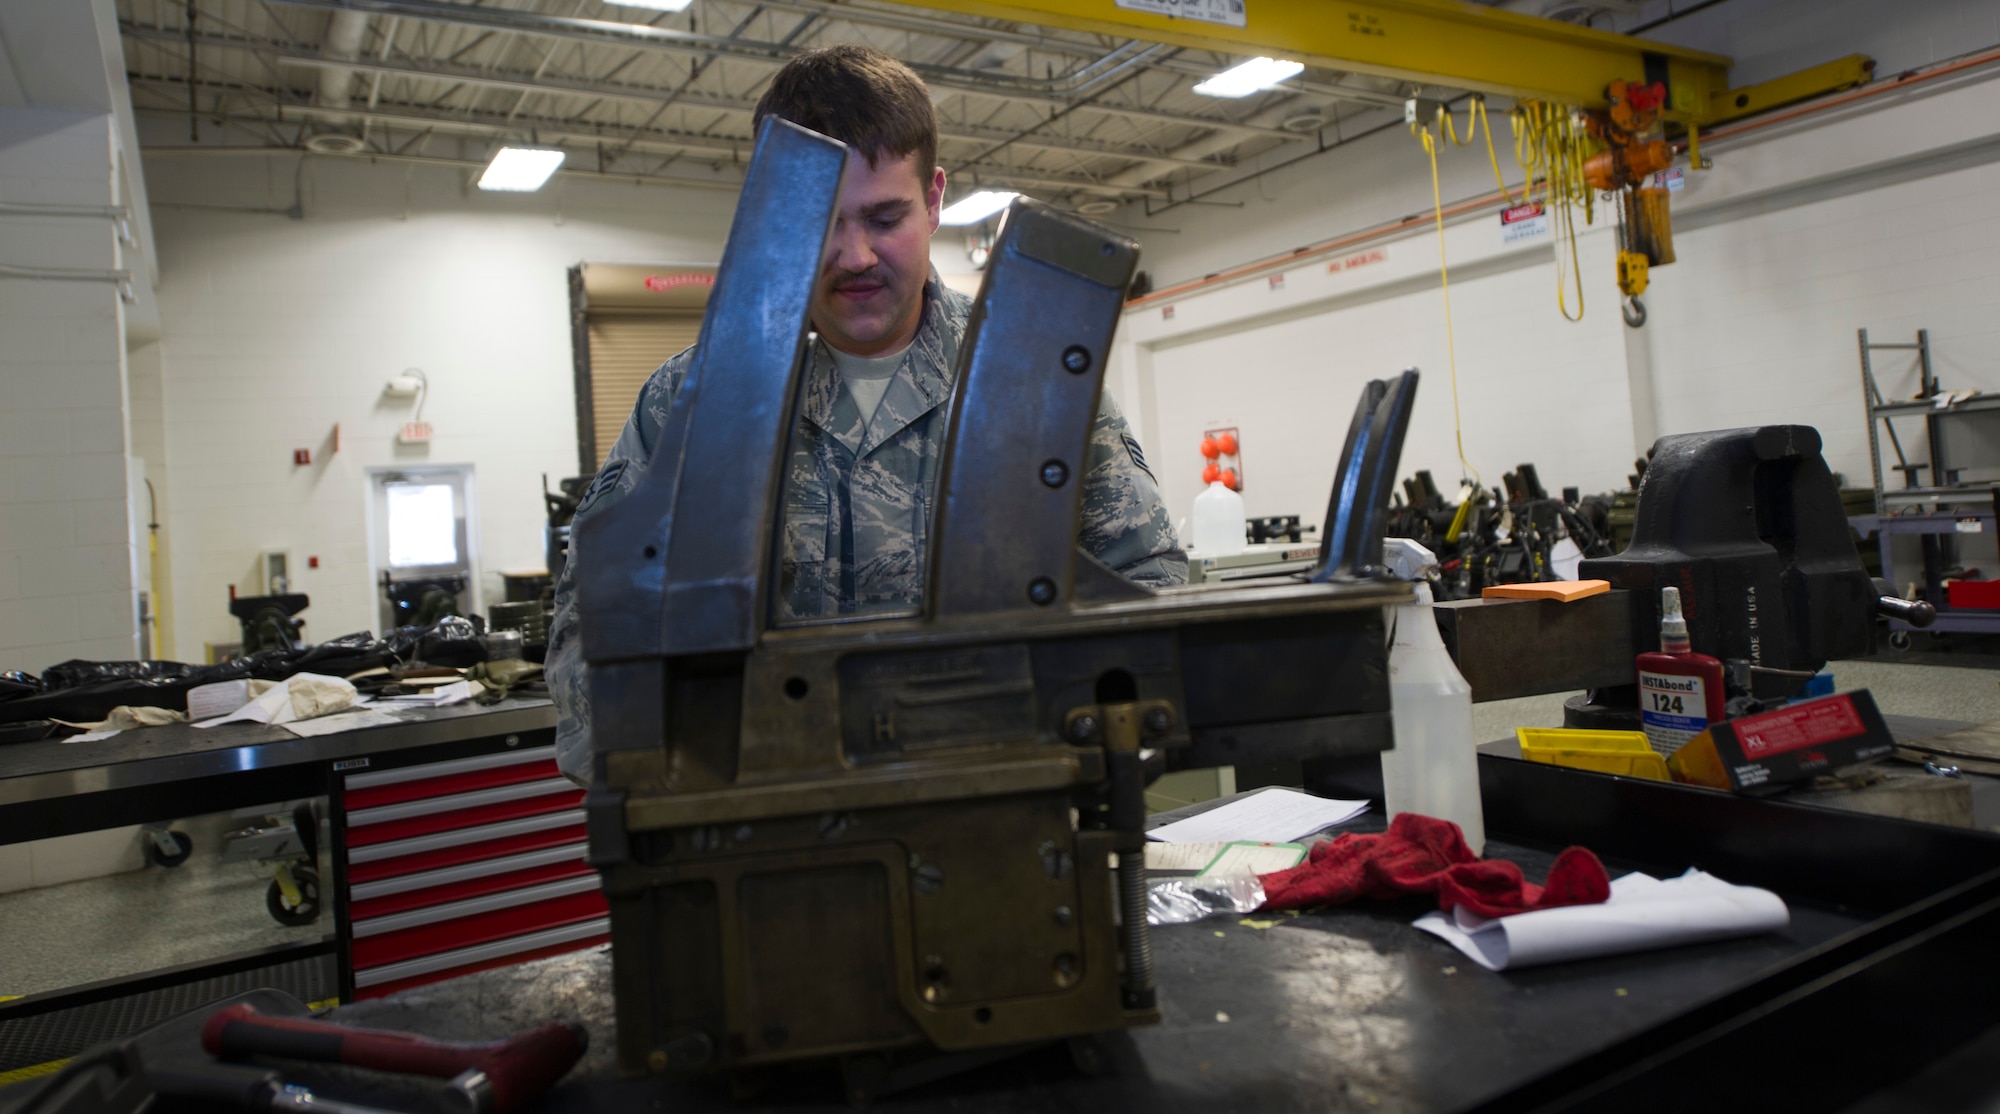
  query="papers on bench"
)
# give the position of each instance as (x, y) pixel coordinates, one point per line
(1272, 816)
(354, 719)
(1213, 857)
(1643, 913)
(456, 692)
(300, 696)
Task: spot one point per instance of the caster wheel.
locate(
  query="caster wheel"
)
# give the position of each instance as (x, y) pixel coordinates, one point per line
(1899, 641)
(181, 841)
(306, 911)
(1087, 1056)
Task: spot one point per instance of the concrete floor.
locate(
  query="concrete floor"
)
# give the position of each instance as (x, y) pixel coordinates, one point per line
(124, 924)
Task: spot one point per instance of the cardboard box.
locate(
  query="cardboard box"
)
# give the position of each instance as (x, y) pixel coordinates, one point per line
(1795, 743)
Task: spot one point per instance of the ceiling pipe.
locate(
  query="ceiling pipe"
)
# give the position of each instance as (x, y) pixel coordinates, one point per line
(640, 94)
(1025, 178)
(1206, 145)
(1052, 91)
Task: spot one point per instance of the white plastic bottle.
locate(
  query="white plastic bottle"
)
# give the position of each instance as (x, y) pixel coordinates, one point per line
(1434, 769)
(1218, 521)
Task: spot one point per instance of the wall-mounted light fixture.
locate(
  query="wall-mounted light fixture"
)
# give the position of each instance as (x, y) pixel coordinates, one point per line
(413, 383)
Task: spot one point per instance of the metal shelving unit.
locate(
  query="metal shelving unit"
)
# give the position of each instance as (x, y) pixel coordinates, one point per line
(1938, 511)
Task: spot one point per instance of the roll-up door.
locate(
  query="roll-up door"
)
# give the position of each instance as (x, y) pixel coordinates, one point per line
(625, 349)
(627, 320)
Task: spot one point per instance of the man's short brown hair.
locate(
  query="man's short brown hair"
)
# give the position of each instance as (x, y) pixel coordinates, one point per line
(860, 96)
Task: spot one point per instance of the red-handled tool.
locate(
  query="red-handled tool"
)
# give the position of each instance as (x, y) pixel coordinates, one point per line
(492, 1078)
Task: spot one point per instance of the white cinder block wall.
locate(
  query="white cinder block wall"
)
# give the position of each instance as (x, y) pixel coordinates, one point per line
(277, 329)
(67, 587)
(1867, 217)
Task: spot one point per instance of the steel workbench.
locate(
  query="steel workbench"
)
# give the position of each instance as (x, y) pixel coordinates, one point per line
(1888, 973)
(160, 774)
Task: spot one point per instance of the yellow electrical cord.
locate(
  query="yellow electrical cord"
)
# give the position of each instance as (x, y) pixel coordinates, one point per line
(1551, 148)
(1475, 121)
(1444, 284)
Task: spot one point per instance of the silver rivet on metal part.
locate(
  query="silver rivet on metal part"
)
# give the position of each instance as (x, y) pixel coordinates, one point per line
(1082, 729)
(743, 833)
(930, 879)
(1077, 359)
(1062, 914)
(513, 740)
(1055, 473)
(1042, 591)
(1159, 720)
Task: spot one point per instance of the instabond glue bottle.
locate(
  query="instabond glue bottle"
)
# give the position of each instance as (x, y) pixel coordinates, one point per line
(1680, 691)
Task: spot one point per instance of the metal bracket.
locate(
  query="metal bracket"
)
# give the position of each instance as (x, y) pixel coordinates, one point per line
(648, 590)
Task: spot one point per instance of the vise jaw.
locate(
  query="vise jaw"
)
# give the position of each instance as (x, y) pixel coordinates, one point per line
(877, 840)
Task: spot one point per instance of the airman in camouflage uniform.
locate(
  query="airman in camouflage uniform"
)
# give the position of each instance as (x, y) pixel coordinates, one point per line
(858, 499)
(860, 483)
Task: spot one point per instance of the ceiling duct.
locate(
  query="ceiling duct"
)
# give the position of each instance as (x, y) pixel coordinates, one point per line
(1306, 120)
(345, 34)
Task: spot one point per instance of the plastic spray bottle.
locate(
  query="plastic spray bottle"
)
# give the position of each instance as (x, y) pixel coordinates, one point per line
(1434, 770)
(1680, 691)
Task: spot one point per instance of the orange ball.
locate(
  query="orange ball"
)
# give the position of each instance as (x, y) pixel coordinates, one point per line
(1230, 481)
(1209, 448)
(1227, 443)
(1211, 473)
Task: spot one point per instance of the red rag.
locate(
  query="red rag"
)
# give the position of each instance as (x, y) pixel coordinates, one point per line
(1420, 854)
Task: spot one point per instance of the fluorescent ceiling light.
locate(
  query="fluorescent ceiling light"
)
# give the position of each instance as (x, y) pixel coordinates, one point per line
(977, 207)
(1243, 80)
(520, 169)
(656, 5)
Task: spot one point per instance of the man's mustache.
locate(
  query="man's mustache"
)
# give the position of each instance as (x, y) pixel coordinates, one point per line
(865, 278)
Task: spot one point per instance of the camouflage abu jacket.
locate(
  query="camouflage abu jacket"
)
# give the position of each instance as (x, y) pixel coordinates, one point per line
(858, 496)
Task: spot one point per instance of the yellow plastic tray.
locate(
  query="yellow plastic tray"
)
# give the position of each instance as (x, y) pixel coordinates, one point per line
(1608, 752)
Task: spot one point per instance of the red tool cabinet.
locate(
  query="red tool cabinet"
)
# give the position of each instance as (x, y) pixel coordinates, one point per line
(460, 865)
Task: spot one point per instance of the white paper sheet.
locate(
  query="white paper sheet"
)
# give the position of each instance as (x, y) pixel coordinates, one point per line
(213, 701)
(1186, 858)
(273, 705)
(1273, 816)
(93, 736)
(300, 696)
(1255, 858)
(1642, 913)
(457, 692)
(351, 720)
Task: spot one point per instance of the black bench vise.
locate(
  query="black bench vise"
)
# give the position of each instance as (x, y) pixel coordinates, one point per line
(1748, 524)
(874, 841)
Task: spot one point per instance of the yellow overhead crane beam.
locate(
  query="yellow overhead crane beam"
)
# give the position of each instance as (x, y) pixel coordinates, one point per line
(1448, 43)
